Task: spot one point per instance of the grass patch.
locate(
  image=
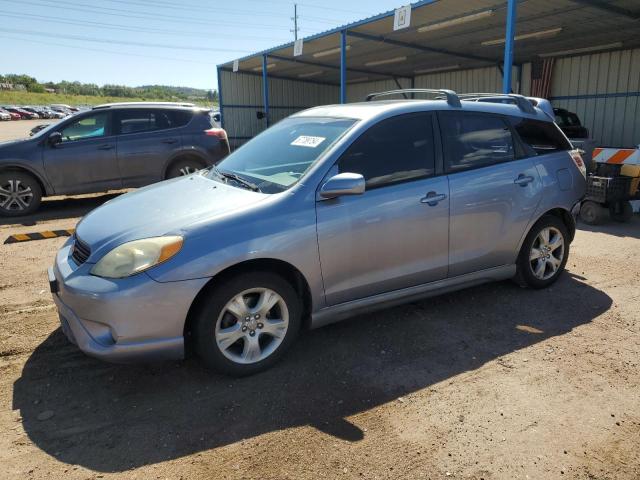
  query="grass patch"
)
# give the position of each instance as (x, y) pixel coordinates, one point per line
(17, 97)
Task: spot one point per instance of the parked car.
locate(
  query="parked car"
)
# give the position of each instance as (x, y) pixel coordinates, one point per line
(4, 115)
(24, 114)
(62, 110)
(12, 115)
(53, 114)
(109, 147)
(40, 113)
(37, 128)
(334, 211)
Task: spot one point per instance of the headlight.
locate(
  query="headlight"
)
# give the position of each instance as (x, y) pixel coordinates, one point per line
(134, 257)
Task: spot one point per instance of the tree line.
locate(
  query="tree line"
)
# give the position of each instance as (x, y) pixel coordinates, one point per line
(155, 92)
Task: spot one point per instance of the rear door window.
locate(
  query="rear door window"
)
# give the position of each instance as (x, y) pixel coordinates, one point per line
(395, 150)
(539, 137)
(473, 140)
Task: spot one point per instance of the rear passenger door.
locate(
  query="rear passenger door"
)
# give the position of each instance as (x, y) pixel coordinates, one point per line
(147, 140)
(396, 234)
(495, 189)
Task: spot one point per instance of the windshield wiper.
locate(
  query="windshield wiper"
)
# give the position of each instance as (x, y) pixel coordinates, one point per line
(237, 178)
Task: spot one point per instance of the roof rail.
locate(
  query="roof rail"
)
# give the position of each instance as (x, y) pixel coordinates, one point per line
(523, 103)
(450, 95)
(144, 104)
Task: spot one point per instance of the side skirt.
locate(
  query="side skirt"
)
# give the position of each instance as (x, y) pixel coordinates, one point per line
(341, 311)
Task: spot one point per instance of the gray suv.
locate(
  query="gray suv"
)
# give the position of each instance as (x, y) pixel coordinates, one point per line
(335, 211)
(109, 147)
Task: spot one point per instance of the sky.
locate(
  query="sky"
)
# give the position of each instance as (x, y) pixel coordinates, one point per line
(156, 42)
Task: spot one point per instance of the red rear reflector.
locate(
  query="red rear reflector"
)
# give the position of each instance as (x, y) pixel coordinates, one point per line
(216, 132)
(577, 159)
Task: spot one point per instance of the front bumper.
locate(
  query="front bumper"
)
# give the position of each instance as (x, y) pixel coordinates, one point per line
(121, 320)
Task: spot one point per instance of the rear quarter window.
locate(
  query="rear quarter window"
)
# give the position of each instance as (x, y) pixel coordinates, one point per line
(538, 137)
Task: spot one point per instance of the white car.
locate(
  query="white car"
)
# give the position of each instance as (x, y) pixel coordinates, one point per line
(4, 115)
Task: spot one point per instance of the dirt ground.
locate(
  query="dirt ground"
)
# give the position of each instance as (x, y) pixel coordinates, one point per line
(494, 382)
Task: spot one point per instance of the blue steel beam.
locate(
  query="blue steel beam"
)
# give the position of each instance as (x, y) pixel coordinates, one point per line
(343, 66)
(219, 69)
(508, 45)
(265, 88)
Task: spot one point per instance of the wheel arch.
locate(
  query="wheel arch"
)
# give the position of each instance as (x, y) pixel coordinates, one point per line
(289, 272)
(16, 167)
(559, 212)
(182, 155)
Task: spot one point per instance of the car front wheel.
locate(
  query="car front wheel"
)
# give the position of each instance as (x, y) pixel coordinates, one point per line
(247, 323)
(544, 253)
(20, 194)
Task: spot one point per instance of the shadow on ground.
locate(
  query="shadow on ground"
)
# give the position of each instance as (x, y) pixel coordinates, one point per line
(112, 418)
(629, 229)
(57, 208)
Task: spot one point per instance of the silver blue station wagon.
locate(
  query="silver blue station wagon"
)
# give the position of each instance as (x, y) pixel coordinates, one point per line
(332, 212)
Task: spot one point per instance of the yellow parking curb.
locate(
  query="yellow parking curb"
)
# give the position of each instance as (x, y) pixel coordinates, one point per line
(27, 237)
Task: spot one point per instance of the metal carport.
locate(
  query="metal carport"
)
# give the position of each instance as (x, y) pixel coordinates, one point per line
(475, 45)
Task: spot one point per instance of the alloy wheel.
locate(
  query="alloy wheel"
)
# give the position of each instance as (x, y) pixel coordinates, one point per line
(187, 170)
(252, 325)
(547, 253)
(15, 196)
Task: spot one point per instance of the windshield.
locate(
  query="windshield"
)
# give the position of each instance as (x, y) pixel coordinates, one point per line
(281, 155)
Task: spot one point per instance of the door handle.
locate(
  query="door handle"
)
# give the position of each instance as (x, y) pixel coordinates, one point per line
(106, 146)
(169, 140)
(433, 198)
(523, 180)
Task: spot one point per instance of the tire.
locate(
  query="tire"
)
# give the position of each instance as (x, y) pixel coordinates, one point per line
(592, 213)
(621, 211)
(20, 193)
(239, 344)
(185, 166)
(550, 255)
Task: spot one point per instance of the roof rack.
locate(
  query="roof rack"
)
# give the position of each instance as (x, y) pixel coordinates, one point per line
(145, 104)
(523, 103)
(450, 95)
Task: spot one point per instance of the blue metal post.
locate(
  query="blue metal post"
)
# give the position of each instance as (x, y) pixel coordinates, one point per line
(508, 46)
(265, 88)
(220, 96)
(343, 66)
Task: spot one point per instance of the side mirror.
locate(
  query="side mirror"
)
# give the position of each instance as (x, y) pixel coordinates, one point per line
(343, 184)
(54, 139)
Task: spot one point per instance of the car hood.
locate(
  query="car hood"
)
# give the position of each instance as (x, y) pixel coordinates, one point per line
(11, 148)
(167, 207)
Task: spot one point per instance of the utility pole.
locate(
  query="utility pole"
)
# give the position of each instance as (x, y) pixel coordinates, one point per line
(295, 21)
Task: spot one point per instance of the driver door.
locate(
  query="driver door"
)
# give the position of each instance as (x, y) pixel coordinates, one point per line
(85, 161)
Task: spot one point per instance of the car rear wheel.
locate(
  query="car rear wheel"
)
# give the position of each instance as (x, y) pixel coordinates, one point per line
(247, 323)
(544, 253)
(183, 167)
(20, 194)
(592, 213)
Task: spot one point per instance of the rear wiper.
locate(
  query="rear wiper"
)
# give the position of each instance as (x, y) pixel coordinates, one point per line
(237, 178)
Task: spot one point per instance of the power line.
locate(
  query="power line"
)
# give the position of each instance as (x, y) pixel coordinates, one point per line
(129, 28)
(120, 42)
(156, 17)
(104, 51)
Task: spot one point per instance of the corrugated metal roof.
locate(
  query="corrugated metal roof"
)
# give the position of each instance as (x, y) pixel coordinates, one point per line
(549, 27)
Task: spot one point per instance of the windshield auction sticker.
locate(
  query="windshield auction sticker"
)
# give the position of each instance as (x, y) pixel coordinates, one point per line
(308, 141)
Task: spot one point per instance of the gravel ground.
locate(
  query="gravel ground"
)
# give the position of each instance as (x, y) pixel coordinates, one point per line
(494, 382)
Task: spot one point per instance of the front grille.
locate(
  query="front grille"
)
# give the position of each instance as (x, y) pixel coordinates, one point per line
(80, 251)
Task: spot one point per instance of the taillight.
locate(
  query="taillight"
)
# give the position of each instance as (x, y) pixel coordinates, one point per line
(216, 132)
(577, 159)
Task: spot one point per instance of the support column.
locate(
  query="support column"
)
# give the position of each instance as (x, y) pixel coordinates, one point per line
(220, 96)
(508, 45)
(265, 88)
(343, 66)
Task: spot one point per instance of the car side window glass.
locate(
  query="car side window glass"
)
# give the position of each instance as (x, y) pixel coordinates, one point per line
(395, 150)
(137, 121)
(475, 140)
(87, 127)
(539, 137)
(178, 118)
